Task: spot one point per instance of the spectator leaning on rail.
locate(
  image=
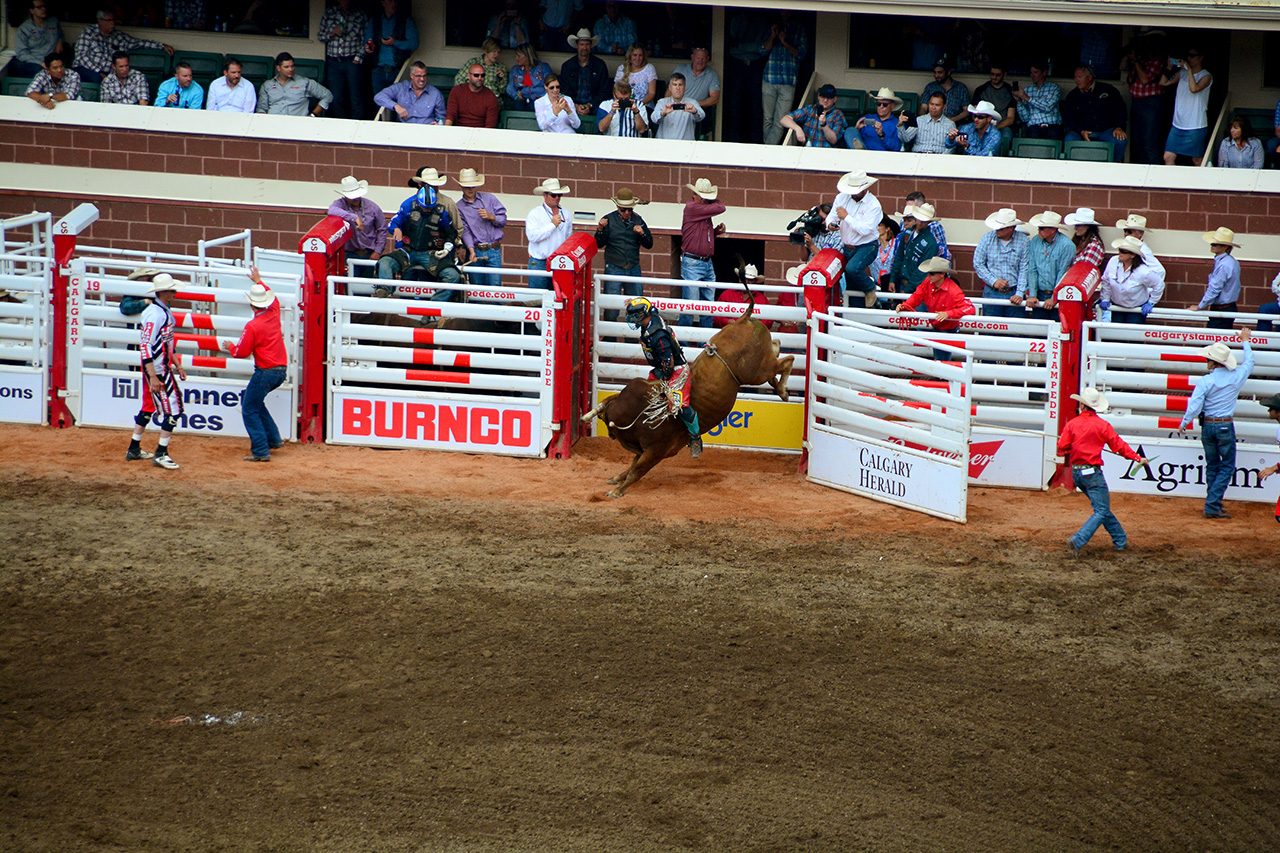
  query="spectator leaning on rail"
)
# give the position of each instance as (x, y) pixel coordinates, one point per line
(38, 36)
(414, 101)
(180, 90)
(1223, 290)
(940, 296)
(1272, 405)
(55, 83)
(555, 110)
(979, 137)
(1000, 260)
(287, 94)
(124, 85)
(1135, 225)
(368, 223)
(1215, 398)
(473, 104)
(932, 130)
(1049, 256)
(264, 340)
(935, 225)
(98, 43)
(1087, 240)
(584, 76)
(1129, 282)
(856, 214)
(1094, 112)
(818, 125)
(230, 93)
(390, 38)
(546, 227)
(622, 234)
(342, 31)
(677, 116)
(483, 223)
(917, 246)
(878, 131)
(698, 244)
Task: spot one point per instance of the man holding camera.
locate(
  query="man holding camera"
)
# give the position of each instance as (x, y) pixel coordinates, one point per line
(676, 117)
(818, 125)
(621, 116)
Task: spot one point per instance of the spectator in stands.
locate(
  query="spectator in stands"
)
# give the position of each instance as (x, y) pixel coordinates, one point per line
(185, 14)
(1240, 149)
(1190, 133)
(1271, 307)
(484, 218)
(38, 36)
(180, 90)
(390, 39)
(955, 92)
(701, 82)
(415, 100)
(490, 59)
(1273, 144)
(677, 116)
(1087, 240)
(97, 44)
(55, 82)
(784, 48)
(473, 105)
(621, 115)
(1038, 105)
(287, 94)
(999, 94)
(1094, 112)
(1000, 260)
(525, 84)
(1049, 257)
(918, 245)
(557, 21)
(509, 28)
(622, 234)
(931, 133)
(230, 93)
(1223, 290)
(881, 268)
(585, 77)
(856, 214)
(546, 227)
(878, 131)
(698, 244)
(938, 292)
(342, 31)
(1129, 282)
(617, 32)
(368, 223)
(555, 110)
(1135, 225)
(639, 72)
(918, 198)
(1144, 66)
(818, 125)
(979, 137)
(124, 85)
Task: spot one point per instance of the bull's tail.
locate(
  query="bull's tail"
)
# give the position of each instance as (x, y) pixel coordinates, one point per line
(751, 297)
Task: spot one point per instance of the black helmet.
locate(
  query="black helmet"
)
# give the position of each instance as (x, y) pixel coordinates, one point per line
(637, 310)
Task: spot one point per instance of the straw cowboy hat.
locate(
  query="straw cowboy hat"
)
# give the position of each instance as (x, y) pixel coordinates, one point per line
(704, 188)
(1093, 399)
(1005, 217)
(936, 265)
(583, 34)
(792, 275)
(353, 189)
(1082, 216)
(552, 186)
(260, 296)
(923, 212)
(854, 182)
(1134, 222)
(1221, 237)
(625, 199)
(886, 94)
(143, 273)
(1048, 219)
(1220, 353)
(163, 282)
(1128, 243)
(984, 108)
(470, 178)
(429, 176)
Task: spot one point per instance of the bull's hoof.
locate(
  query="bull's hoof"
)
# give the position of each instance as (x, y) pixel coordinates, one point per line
(783, 395)
(616, 493)
(613, 481)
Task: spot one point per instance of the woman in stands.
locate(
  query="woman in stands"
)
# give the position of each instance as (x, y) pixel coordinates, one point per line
(1190, 132)
(490, 59)
(640, 73)
(1240, 149)
(527, 74)
(1088, 242)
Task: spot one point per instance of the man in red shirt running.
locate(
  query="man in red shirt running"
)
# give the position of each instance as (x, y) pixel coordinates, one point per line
(263, 339)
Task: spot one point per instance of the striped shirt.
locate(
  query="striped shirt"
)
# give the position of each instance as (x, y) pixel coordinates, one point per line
(132, 90)
(1042, 108)
(44, 84)
(929, 136)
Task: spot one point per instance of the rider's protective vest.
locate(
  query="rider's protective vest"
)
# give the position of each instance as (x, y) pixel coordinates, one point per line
(425, 224)
(661, 348)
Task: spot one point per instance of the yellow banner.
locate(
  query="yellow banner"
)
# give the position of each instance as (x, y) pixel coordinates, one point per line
(758, 424)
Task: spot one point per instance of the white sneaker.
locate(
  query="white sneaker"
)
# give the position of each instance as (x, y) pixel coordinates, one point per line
(163, 461)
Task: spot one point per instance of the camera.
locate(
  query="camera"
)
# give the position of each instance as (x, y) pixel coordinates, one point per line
(811, 223)
(624, 103)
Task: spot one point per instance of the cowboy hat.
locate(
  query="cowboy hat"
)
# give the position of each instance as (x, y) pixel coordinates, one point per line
(984, 108)
(429, 176)
(143, 272)
(750, 273)
(1128, 243)
(163, 282)
(260, 296)
(704, 188)
(792, 275)
(854, 182)
(923, 212)
(583, 34)
(1092, 398)
(1082, 216)
(886, 94)
(625, 199)
(1220, 353)
(1048, 219)
(1134, 222)
(552, 186)
(470, 178)
(353, 189)
(1221, 237)
(935, 265)
(1272, 402)
(1005, 217)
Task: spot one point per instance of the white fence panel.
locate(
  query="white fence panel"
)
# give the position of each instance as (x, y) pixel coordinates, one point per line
(25, 336)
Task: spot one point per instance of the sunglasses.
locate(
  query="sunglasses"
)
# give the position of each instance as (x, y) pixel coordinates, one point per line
(554, 195)
(478, 75)
(553, 88)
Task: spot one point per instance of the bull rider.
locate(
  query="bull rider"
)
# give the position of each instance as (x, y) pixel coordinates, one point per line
(666, 360)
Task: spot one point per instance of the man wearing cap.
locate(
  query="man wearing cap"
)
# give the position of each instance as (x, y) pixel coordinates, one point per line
(414, 101)
(622, 234)
(1135, 225)
(426, 234)
(1129, 282)
(940, 296)
(368, 223)
(1000, 260)
(979, 137)
(263, 339)
(818, 125)
(955, 92)
(1038, 104)
(701, 81)
(856, 214)
(917, 246)
(1223, 290)
(878, 131)
(1214, 399)
(584, 76)
(698, 243)
(1094, 111)
(546, 227)
(162, 368)
(1080, 445)
(1049, 257)
(485, 220)
(1272, 405)
(931, 131)
(472, 105)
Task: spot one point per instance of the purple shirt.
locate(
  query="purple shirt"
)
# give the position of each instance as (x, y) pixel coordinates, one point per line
(427, 108)
(481, 230)
(373, 236)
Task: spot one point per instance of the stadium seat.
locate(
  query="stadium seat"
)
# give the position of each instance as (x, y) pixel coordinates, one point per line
(155, 65)
(1100, 152)
(518, 120)
(89, 91)
(16, 86)
(258, 69)
(1037, 149)
(589, 124)
(441, 78)
(204, 66)
(312, 68)
(910, 102)
(851, 102)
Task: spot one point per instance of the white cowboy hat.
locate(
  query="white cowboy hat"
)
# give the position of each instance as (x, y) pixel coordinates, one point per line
(625, 199)
(984, 108)
(353, 189)
(854, 182)
(429, 176)
(886, 94)
(162, 282)
(1082, 216)
(260, 296)
(583, 34)
(1092, 398)
(551, 185)
(470, 178)
(923, 212)
(704, 188)
(750, 273)
(1129, 243)
(1221, 353)
(1048, 219)
(1221, 237)
(792, 275)
(143, 272)
(935, 265)
(1134, 222)
(1005, 217)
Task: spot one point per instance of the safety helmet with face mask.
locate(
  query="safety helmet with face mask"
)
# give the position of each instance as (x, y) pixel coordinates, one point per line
(637, 310)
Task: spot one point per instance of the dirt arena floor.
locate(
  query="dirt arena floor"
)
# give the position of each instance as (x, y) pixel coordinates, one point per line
(361, 650)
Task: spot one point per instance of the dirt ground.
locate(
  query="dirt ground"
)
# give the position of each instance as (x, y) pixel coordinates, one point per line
(361, 650)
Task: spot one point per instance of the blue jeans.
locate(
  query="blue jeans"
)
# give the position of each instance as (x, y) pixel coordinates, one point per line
(487, 258)
(383, 76)
(389, 267)
(1008, 309)
(1095, 488)
(1272, 146)
(362, 255)
(1134, 319)
(1219, 443)
(344, 81)
(539, 281)
(856, 261)
(1118, 146)
(617, 288)
(1145, 117)
(263, 433)
(1269, 308)
(692, 269)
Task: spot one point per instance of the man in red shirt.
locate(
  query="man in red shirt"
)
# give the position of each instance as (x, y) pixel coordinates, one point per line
(472, 105)
(940, 295)
(264, 340)
(1081, 445)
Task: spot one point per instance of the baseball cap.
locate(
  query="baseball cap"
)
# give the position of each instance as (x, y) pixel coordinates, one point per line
(827, 91)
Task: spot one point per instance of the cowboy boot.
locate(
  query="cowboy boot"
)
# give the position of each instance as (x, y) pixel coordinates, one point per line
(690, 418)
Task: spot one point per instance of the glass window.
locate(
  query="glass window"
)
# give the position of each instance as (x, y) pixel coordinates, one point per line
(665, 29)
(279, 18)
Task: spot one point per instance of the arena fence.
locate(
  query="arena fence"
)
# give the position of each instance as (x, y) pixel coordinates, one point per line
(26, 277)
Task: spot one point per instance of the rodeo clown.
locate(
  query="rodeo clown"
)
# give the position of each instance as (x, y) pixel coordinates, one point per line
(159, 364)
(666, 359)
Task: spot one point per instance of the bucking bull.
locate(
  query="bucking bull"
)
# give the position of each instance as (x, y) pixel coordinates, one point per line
(640, 418)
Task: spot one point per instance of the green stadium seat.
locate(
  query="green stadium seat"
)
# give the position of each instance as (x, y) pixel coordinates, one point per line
(1101, 152)
(910, 102)
(588, 125)
(311, 68)
(851, 102)
(151, 62)
(16, 86)
(89, 91)
(258, 69)
(1037, 149)
(442, 79)
(518, 120)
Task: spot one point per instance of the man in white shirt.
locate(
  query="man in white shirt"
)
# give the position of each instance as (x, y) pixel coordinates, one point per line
(555, 110)
(677, 117)
(856, 213)
(228, 94)
(546, 227)
(622, 116)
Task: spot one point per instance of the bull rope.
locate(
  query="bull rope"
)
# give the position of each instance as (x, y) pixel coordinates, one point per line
(655, 411)
(711, 350)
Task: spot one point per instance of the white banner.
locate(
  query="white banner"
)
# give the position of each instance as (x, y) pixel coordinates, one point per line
(1178, 470)
(392, 420)
(908, 478)
(22, 396)
(1010, 460)
(211, 408)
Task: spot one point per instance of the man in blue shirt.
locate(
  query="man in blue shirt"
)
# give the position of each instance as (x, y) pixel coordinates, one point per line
(1000, 260)
(1223, 290)
(180, 90)
(979, 137)
(1215, 399)
(878, 131)
(414, 100)
(784, 48)
(1049, 256)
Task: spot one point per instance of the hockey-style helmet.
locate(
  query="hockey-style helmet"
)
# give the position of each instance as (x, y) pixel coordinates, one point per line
(637, 310)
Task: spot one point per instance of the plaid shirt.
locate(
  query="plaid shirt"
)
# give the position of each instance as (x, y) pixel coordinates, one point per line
(1092, 251)
(495, 76)
(957, 97)
(1042, 108)
(1138, 89)
(93, 49)
(622, 31)
(44, 84)
(807, 118)
(133, 90)
(781, 67)
(351, 42)
(996, 259)
(185, 14)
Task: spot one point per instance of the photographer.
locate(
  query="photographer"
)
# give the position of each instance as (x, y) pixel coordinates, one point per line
(818, 125)
(809, 229)
(675, 117)
(621, 116)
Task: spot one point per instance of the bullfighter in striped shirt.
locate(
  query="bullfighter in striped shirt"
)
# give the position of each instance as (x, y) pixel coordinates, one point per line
(159, 364)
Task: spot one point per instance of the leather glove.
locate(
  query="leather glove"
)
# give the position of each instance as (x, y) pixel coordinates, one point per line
(1147, 308)
(1104, 305)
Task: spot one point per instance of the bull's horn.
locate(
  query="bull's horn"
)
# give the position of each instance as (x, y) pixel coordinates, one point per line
(591, 415)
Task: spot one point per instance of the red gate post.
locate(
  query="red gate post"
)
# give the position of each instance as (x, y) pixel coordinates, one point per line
(1074, 296)
(570, 267)
(323, 254)
(820, 278)
(65, 232)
